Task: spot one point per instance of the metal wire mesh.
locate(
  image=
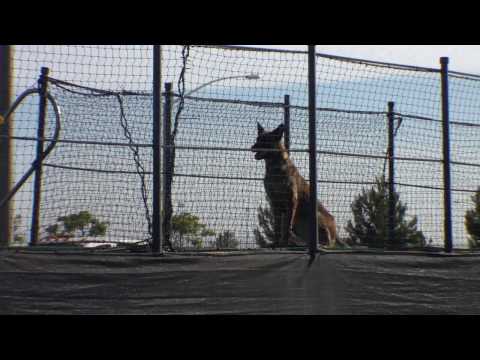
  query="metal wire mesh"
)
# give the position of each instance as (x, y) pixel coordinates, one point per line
(102, 164)
(66, 190)
(352, 97)
(215, 176)
(24, 154)
(227, 91)
(465, 141)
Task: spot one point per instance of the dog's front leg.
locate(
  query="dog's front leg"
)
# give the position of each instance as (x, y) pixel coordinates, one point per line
(293, 208)
(292, 213)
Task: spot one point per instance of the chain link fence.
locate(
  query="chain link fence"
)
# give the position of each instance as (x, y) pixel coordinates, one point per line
(97, 182)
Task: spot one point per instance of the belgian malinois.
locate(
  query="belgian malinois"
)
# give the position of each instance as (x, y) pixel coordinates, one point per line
(289, 194)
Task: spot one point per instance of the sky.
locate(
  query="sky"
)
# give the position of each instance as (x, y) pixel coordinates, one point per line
(463, 58)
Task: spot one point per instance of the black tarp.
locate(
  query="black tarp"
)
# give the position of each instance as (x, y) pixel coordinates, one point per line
(262, 283)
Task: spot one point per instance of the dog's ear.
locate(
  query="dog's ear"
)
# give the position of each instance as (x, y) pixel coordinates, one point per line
(278, 132)
(260, 129)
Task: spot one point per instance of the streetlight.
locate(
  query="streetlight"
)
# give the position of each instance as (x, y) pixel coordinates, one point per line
(248, 77)
(171, 155)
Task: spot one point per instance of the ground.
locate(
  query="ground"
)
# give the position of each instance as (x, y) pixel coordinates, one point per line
(259, 283)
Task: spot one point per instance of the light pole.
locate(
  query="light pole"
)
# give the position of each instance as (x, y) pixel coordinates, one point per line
(171, 152)
(248, 77)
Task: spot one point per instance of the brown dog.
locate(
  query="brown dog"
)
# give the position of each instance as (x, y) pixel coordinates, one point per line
(289, 194)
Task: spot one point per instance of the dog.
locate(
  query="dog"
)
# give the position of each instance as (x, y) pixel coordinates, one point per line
(289, 194)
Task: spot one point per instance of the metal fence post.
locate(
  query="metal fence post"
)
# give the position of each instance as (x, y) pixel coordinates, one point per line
(286, 122)
(312, 143)
(447, 194)
(157, 150)
(37, 185)
(391, 176)
(167, 164)
(6, 150)
(286, 108)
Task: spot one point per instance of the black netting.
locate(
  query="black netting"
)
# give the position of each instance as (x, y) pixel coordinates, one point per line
(103, 161)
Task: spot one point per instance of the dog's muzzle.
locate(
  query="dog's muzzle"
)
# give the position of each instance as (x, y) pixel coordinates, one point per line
(258, 156)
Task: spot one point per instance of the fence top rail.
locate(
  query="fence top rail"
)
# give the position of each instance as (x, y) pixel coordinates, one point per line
(100, 92)
(328, 56)
(346, 59)
(464, 76)
(458, 74)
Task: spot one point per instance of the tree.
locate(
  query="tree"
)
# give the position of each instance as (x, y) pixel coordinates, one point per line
(52, 230)
(76, 222)
(265, 233)
(472, 221)
(83, 222)
(226, 240)
(186, 226)
(370, 220)
(97, 228)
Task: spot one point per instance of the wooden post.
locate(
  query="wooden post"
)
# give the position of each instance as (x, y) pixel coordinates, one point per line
(6, 149)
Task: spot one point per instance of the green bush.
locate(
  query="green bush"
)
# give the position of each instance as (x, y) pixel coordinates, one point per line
(472, 221)
(186, 226)
(80, 224)
(370, 220)
(226, 240)
(264, 233)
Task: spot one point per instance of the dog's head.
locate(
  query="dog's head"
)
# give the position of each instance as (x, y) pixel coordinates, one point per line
(267, 140)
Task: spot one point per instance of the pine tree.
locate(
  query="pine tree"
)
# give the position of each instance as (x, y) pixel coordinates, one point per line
(226, 240)
(187, 226)
(264, 233)
(370, 220)
(82, 224)
(472, 221)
